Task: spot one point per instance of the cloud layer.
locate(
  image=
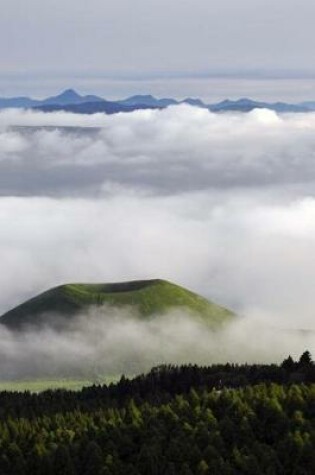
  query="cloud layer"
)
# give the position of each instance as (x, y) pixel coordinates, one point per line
(108, 341)
(164, 152)
(249, 255)
(222, 204)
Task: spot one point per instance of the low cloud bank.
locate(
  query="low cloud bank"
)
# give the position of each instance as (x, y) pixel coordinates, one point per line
(110, 341)
(252, 254)
(179, 149)
(222, 204)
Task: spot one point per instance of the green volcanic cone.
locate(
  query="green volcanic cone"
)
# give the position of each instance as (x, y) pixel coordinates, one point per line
(148, 298)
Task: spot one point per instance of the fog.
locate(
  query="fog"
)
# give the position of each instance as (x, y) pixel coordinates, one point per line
(222, 204)
(108, 342)
(176, 150)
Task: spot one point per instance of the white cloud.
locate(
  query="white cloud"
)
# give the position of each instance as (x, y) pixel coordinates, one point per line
(170, 151)
(239, 251)
(222, 204)
(109, 341)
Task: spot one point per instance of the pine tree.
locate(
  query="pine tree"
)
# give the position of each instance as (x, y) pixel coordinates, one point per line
(185, 470)
(305, 359)
(288, 364)
(62, 462)
(92, 460)
(202, 468)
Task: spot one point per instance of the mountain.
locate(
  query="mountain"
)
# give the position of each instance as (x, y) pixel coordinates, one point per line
(194, 102)
(70, 101)
(69, 97)
(147, 100)
(152, 101)
(105, 107)
(308, 104)
(17, 102)
(247, 105)
(147, 297)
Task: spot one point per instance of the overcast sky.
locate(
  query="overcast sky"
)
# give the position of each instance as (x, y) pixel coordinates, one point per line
(116, 47)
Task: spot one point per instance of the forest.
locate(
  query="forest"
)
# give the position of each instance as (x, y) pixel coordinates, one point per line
(175, 420)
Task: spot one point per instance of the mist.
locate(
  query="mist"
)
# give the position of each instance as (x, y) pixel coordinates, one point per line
(109, 342)
(251, 254)
(177, 150)
(221, 204)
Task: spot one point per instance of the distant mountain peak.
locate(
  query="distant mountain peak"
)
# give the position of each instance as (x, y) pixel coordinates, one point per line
(69, 93)
(71, 101)
(70, 96)
(143, 96)
(148, 100)
(193, 101)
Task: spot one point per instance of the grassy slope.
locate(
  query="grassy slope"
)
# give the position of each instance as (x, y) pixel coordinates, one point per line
(148, 297)
(38, 385)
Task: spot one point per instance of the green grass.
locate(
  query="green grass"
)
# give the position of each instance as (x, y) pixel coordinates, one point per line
(39, 385)
(148, 298)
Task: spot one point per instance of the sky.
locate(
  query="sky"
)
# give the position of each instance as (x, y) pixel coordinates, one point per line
(262, 48)
(223, 204)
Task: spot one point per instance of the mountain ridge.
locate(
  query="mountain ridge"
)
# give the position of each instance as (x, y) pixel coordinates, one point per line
(71, 101)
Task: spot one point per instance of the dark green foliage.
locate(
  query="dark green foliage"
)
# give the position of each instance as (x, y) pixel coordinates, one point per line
(93, 460)
(220, 420)
(306, 359)
(288, 363)
(63, 464)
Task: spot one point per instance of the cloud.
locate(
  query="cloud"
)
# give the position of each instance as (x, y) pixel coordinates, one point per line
(109, 341)
(222, 204)
(250, 255)
(171, 151)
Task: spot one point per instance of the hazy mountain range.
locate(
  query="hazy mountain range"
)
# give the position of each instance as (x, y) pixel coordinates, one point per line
(71, 101)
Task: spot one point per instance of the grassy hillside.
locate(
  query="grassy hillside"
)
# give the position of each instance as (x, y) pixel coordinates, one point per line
(39, 385)
(147, 297)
